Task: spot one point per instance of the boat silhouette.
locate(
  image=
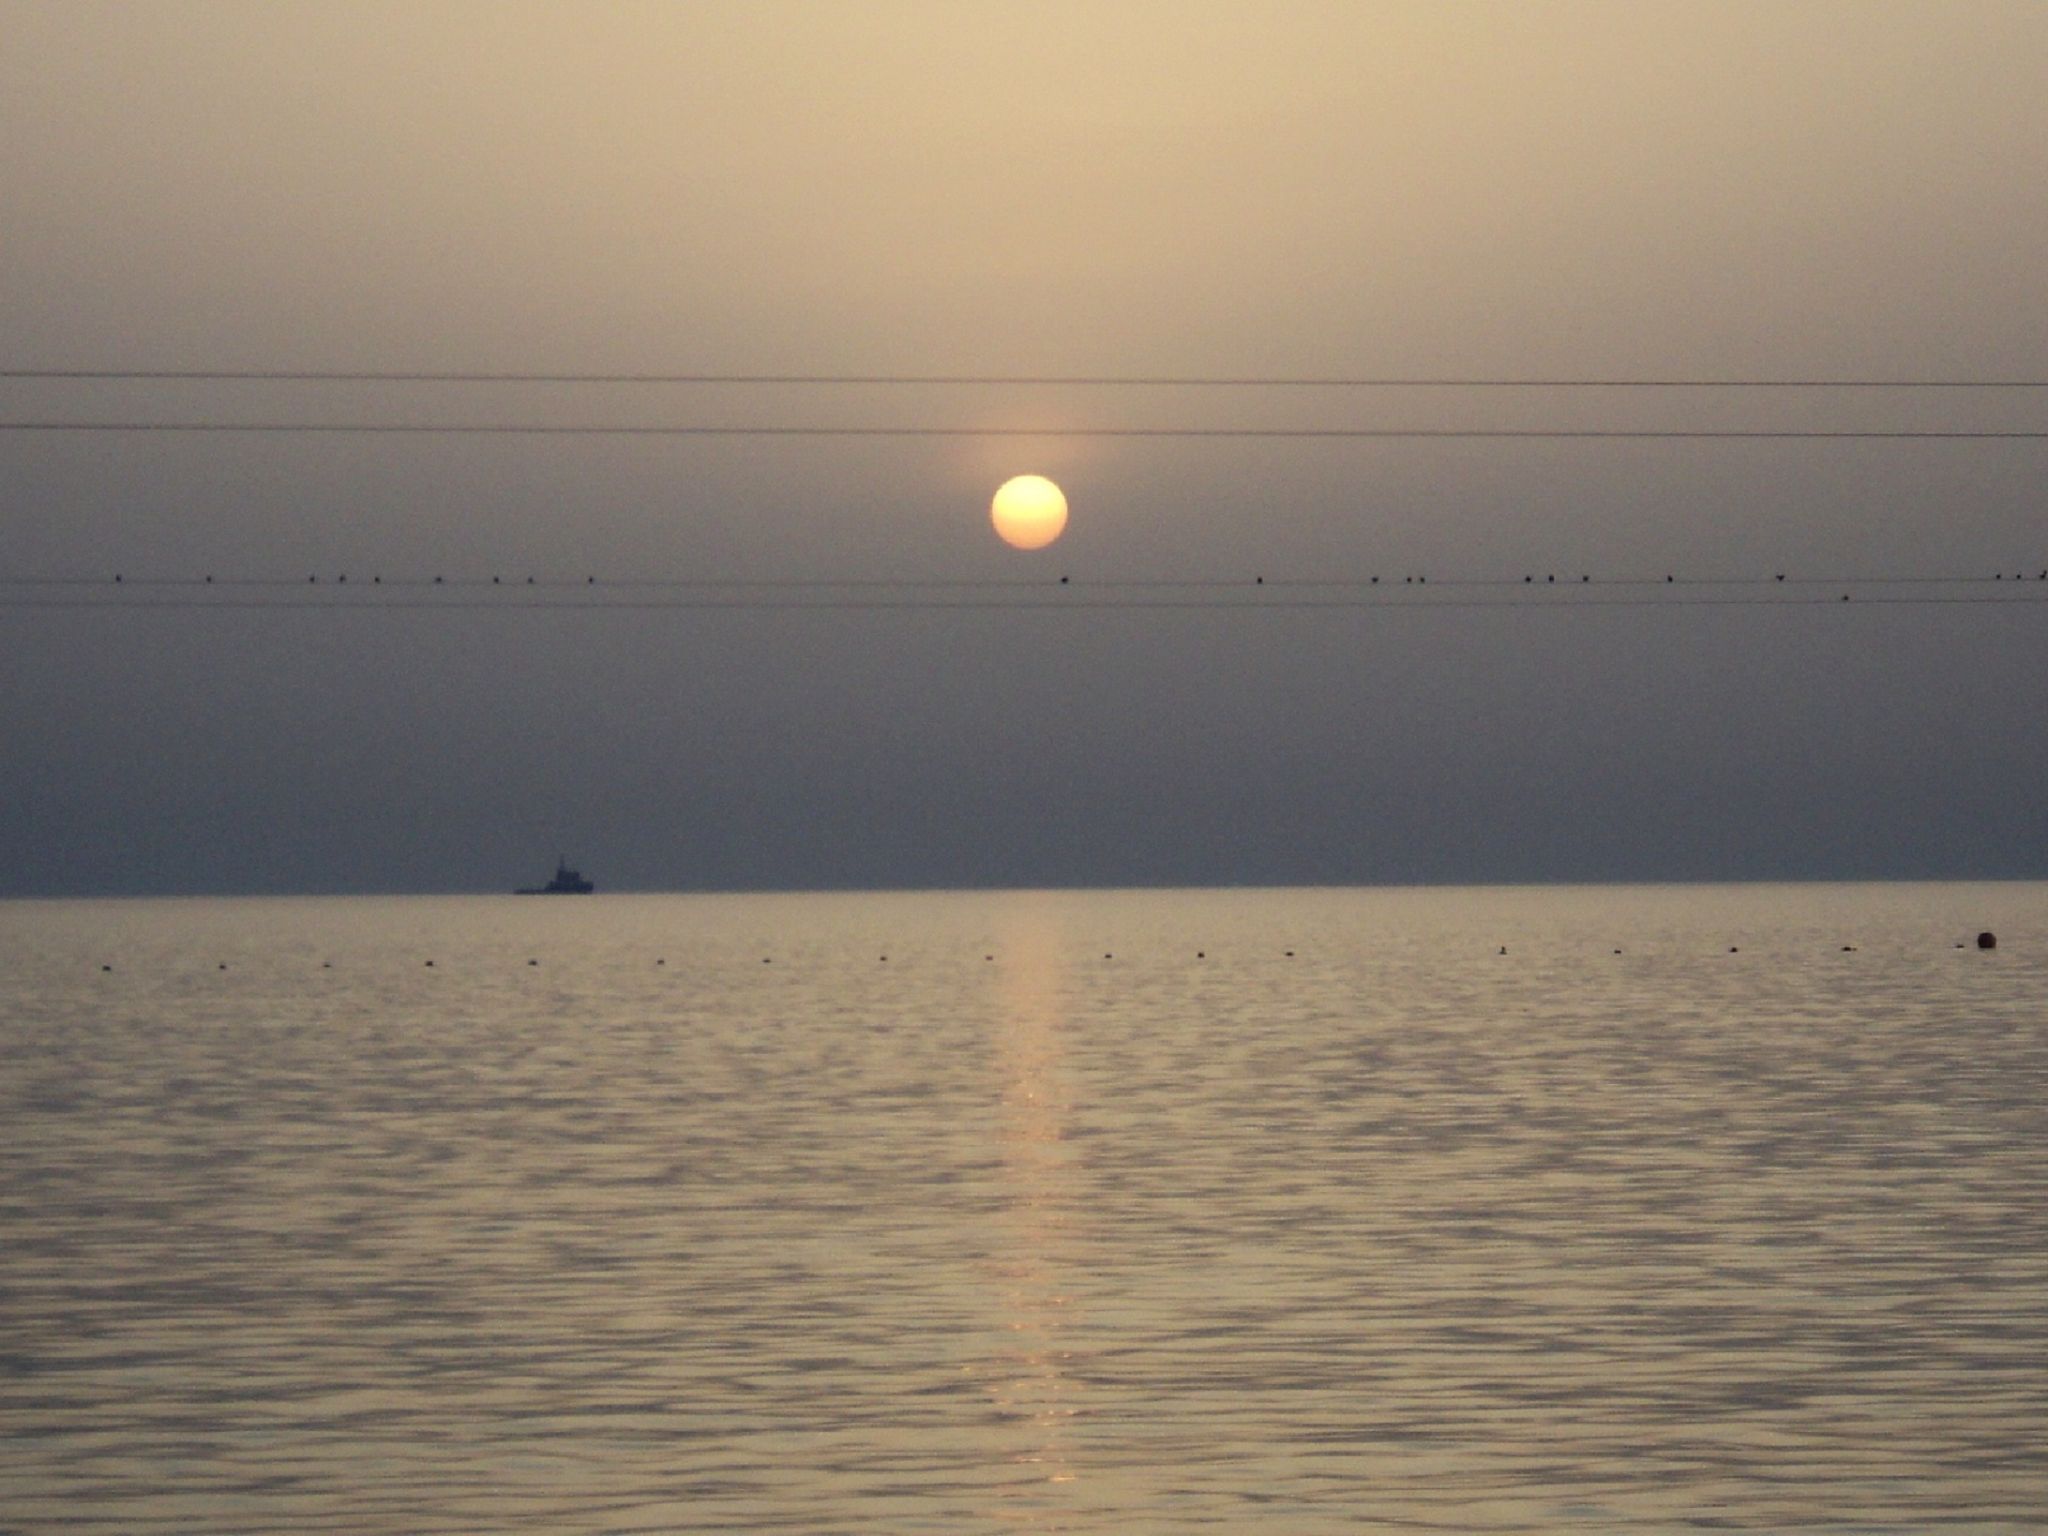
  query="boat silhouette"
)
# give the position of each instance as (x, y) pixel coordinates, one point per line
(567, 882)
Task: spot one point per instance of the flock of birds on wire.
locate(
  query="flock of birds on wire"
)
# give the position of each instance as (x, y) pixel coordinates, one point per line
(1065, 592)
(1068, 593)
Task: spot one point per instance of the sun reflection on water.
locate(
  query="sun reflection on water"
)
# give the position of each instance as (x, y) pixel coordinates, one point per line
(1037, 1238)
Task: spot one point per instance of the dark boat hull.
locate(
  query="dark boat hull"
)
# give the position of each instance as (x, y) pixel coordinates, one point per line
(567, 882)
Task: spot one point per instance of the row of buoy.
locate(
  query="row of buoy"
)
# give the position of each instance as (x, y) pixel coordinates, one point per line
(1986, 940)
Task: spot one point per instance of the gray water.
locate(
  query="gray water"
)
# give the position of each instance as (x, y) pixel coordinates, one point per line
(716, 1220)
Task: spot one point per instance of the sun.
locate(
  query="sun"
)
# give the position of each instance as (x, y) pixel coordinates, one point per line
(1029, 512)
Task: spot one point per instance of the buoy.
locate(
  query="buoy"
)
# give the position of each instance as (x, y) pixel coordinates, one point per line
(533, 962)
(1733, 950)
(223, 965)
(430, 962)
(109, 967)
(1201, 954)
(1987, 941)
(1503, 949)
(661, 962)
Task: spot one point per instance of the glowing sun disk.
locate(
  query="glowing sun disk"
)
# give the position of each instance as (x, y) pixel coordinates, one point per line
(1029, 512)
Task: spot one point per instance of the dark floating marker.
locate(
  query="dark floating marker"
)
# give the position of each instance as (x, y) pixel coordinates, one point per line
(1987, 941)
(533, 962)
(430, 962)
(1063, 581)
(1848, 949)
(326, 965)
(988, 957)
(223, 965)
(1201, 954)
(884, 959)
(1733, 950)
(109, 967)
(1503, 949)
(1617, 951)
(1290, 954)
(661, 962)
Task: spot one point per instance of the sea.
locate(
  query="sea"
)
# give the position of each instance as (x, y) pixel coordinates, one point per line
(1686, 1208)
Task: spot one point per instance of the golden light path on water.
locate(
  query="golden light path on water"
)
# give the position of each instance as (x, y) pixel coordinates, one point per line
(1041, 1220)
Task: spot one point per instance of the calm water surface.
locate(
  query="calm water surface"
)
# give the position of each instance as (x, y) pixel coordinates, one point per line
(716, 1220)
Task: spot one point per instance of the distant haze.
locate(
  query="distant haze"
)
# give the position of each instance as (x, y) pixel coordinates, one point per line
(1515, 190)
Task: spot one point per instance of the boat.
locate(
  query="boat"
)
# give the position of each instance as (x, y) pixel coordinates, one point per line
(567, 882)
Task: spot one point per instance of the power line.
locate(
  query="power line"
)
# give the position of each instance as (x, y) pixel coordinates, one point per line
(1387, 604)
(978, 380)
(508, 585)
(591, 429)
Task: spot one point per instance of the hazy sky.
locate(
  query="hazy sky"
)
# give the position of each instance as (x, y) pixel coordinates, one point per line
(1619, 190)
